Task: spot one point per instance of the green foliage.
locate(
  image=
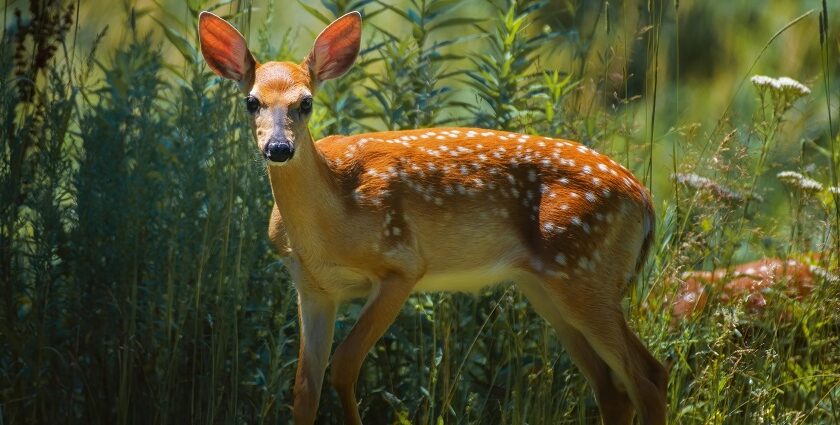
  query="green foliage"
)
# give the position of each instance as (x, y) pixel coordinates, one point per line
(501, 76)
(138, 285)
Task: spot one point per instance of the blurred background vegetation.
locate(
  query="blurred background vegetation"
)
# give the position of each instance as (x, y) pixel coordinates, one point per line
(136, 278)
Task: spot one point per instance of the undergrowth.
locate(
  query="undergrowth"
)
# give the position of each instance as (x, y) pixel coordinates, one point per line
(138, 285)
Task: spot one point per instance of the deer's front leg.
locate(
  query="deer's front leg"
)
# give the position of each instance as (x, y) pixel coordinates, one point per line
(383, 306)
(316, 314)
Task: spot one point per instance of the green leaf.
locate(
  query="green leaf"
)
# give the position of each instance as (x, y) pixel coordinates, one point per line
(314, 12)
(185, 47)
(394, 9)
(442, 6)
(457, 21)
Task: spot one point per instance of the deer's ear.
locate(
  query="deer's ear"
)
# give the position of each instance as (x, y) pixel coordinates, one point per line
(336, 48)
(225, 50)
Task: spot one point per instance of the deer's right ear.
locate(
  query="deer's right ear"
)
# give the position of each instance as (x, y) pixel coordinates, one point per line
(225, 50)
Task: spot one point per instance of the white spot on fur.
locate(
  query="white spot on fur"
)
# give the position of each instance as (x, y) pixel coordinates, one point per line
(586, 264)
(557, 274)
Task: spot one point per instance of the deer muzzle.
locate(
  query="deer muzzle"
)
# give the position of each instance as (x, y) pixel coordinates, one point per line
(278, 151)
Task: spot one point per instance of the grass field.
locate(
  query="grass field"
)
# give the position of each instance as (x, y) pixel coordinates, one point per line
(137, 284)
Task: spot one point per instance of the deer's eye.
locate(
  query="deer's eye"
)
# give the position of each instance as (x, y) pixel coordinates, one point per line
(252, 104)
(306, 105)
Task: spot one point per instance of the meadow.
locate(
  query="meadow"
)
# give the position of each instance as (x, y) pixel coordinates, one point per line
(137, 284)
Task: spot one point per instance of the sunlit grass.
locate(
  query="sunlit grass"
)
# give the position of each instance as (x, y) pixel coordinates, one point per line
(138, 285)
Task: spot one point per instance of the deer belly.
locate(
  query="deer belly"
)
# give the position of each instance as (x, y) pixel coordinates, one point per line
(469, 280)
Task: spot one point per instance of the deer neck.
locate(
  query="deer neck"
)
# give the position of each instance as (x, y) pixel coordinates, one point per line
(306, 193)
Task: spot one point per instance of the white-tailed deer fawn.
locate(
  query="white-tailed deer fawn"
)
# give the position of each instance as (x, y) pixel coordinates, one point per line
(382, 215)
(748, 282)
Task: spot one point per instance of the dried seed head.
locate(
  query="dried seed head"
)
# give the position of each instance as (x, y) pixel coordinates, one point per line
(718, 190)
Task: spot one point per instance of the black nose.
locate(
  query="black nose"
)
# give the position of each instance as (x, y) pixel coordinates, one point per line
(278, 151)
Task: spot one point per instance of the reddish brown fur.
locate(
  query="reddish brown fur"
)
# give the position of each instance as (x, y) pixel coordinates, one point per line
(745, 282)
(556, 206)
(381, 215)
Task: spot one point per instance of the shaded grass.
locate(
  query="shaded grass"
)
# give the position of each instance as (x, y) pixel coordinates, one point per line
(139, 287)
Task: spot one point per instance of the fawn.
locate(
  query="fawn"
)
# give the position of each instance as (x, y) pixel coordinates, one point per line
(748, 282)
(382, 215)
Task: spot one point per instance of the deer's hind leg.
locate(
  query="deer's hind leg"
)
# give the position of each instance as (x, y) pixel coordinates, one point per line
(614, 404)
(630, 363)
(586, 305)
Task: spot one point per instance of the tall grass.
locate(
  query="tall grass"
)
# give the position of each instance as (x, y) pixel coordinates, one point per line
(138, 285)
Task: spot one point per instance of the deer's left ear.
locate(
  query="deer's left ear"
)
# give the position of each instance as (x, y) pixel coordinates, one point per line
(336, 48)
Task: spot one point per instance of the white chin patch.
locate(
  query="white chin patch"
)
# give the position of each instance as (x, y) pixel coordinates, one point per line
(275, 163)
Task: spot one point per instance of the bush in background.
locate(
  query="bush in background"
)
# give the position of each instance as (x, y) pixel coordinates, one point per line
(138, 285)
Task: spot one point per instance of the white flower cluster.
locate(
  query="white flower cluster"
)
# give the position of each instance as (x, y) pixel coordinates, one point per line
(797, 180)
(834, 189)
(764, 81)
(789, 84)
(789, 176)
(785, 85)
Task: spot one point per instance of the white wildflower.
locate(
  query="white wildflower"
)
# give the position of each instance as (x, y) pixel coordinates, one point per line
(691, 179)
(790, 176)
(810, 185)
(794, 87)
(834, 189)
(783, 91)
(799, 181)
(702, 183)
(764, 81)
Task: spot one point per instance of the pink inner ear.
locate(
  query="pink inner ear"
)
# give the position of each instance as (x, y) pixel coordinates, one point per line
(223, 47)
(337, 46)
